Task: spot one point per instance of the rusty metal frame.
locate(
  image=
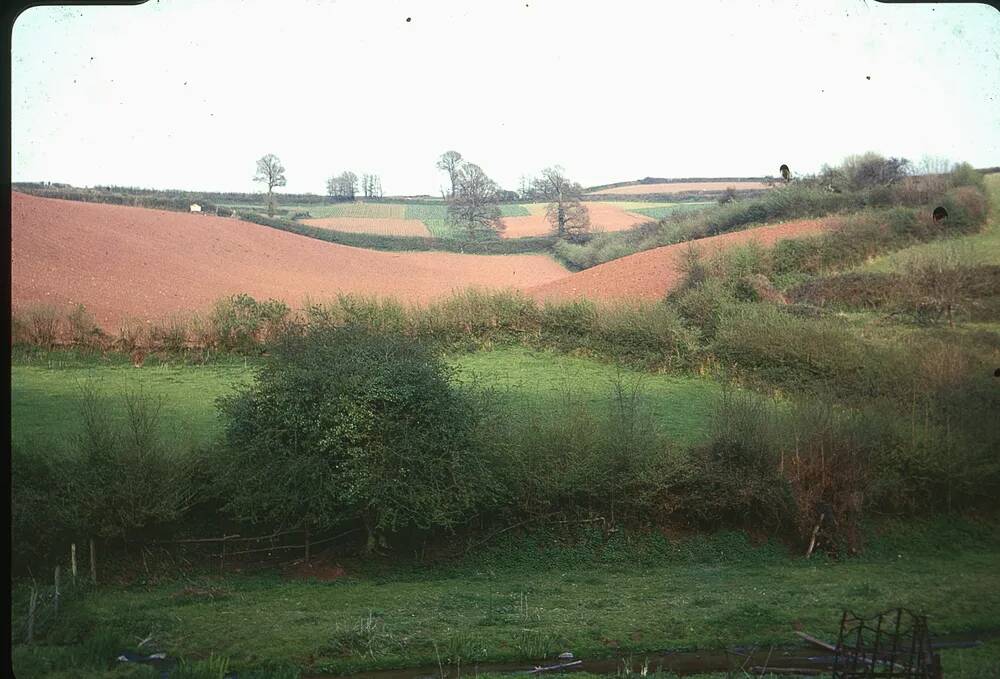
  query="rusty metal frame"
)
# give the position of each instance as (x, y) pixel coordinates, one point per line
(894, 643)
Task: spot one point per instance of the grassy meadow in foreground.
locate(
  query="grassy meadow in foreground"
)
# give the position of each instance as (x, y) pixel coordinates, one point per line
(532, 600)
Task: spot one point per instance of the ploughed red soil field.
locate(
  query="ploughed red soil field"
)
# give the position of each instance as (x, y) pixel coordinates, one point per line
(679, 187)
(128, 262)
(603, 217)
(654, 273)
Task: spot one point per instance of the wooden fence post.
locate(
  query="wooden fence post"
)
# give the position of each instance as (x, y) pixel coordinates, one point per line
(222, 555)
(307, 546)
(55, 599)
(93, 562)
(32, 604)
(72, 560)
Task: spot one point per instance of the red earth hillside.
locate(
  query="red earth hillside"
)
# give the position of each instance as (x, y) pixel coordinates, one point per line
(128, 262)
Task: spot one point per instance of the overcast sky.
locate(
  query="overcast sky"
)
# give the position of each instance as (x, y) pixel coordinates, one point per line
(189, 93)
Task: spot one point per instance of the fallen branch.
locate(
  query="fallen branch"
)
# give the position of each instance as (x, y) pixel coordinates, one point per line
(817, 642)
(786, 670)
(549, 668)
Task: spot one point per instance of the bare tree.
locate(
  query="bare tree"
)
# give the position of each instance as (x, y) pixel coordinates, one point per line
(349, 184)
(566, 212)
(450, 162)
(344, 185)
(272, 172)
(526, 188)
(371, 185)
(933, 165)
(473, 205)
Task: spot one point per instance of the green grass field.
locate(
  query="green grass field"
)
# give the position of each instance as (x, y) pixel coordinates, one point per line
(46, 390)
(661, 211)
(681, 405)
(701, 593)
(46, 394)
(979, 248)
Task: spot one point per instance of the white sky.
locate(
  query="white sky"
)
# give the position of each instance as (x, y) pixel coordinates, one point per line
(189, 93)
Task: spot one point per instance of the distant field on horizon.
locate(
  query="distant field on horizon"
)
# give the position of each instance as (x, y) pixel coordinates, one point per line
(677, 187)
(521, 219)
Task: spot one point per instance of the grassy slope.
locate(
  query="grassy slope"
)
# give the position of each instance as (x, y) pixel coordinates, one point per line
(980, 248)
(726, 594)
(681, 405)
(661, 211)
(45, 391)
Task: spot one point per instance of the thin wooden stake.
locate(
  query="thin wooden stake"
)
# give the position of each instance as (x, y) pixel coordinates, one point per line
(307, 546)
(93, 562)
(72, 559)
(31, 614)
(812, 542)
(55, 600)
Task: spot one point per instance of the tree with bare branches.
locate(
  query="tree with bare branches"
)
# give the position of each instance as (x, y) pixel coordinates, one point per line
(271, 172)
(451, 162)
(344, 185)
(566, 212)
(371, 185)
(473, 205)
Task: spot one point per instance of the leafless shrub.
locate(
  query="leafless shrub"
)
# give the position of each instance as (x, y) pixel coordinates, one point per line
(202, 332)
(42, 325)
(132, 334)
(82, 326)
(172, 334)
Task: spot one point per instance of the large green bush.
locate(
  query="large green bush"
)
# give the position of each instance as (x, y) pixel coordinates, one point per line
(345, 426)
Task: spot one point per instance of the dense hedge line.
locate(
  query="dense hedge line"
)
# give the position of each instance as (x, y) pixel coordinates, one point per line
(499, 246)
(867, 415)
(158, 202)
(162, 200)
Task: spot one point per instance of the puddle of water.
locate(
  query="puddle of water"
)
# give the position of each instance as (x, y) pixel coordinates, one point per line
(678, 663)
(805, 658)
